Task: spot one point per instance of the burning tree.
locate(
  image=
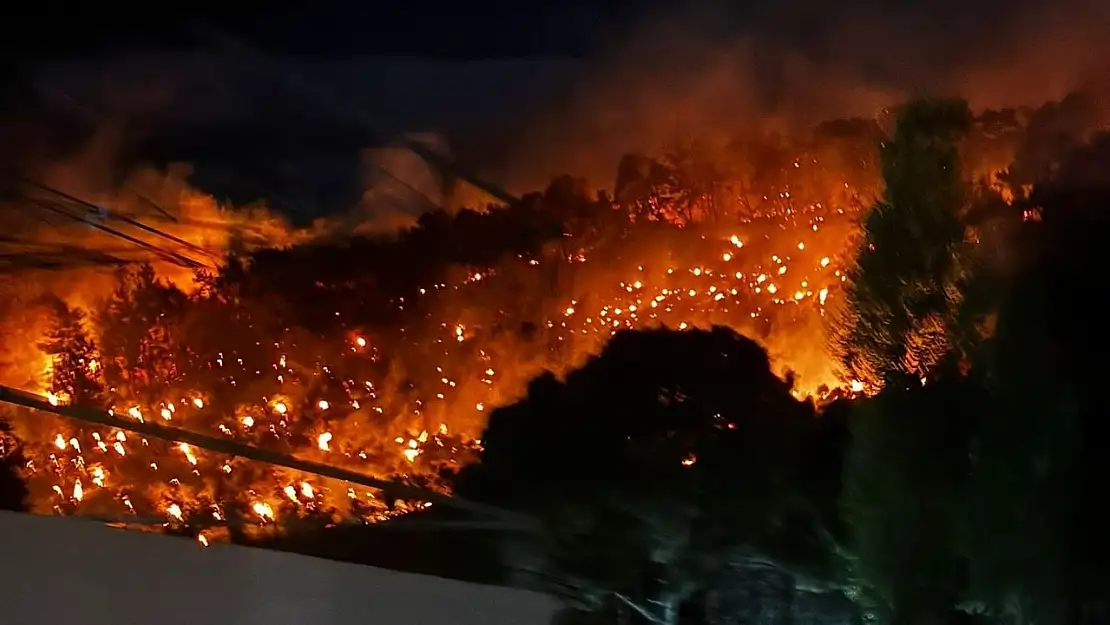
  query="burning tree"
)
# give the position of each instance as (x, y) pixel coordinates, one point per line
(75, 361)
(207, 362)
(141, 337)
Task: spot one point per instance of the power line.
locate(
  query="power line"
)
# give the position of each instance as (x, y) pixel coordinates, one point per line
(94, 209)
(391, 488)
(58, 207)
(155, 205)
(174, 257)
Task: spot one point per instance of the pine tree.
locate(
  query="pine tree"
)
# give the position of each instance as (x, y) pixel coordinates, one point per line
(139, 336)
(75, 371)
(902, 291)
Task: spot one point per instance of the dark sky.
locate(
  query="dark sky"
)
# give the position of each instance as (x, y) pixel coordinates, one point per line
(492, 28)
(500, 29)
(336, 28)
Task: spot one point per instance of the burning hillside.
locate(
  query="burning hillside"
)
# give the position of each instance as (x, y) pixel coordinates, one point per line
(383, 355)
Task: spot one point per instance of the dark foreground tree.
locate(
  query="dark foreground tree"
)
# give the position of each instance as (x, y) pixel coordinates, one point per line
(664, 460)
(1076, 217)
(1038, 549)
(905, 479)
(1023, 461)
(13, 492)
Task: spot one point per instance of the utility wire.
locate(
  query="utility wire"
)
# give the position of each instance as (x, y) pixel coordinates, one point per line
(94, 209)
(155, 205)
(173, 257)
(59, 208)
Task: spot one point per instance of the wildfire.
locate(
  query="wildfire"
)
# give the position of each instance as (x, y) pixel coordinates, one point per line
(409, 402)
(745, 281)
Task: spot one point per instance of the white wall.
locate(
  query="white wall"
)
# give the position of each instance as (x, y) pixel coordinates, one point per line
(56, 570)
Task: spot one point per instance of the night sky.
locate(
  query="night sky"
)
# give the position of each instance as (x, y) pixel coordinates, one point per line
(339, 28)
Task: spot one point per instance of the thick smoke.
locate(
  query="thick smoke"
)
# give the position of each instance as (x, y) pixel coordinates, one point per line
(708, 70)
(398, 186)
(793, 63)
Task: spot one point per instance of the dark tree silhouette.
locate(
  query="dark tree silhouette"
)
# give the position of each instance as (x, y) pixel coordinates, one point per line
(1049, 375)
(13, 492)
(1024, 458)
(664, 460)
(1052, 132)
(904, 480)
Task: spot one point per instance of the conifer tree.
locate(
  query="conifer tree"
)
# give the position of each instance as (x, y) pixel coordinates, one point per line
(75, 371)
(902, 291)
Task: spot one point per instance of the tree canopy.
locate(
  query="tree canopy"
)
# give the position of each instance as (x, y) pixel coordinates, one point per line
(902, 291)
(666, 458)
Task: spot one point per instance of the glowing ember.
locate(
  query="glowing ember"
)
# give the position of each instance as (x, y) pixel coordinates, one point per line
(174, 511)
(188, 451)
(263, 510)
